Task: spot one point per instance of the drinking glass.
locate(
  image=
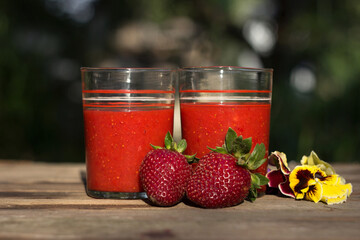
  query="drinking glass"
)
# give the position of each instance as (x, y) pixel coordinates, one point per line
(212, 99)
(125, 110)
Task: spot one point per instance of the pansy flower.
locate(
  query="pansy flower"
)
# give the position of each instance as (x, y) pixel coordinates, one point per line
(279, 178)
(302, 181)
(313, 184)
(315, 180)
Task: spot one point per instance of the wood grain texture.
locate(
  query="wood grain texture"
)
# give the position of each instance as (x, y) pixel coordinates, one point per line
(48, 201)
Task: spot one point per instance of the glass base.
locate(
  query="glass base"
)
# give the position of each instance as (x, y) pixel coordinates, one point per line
(116, 195)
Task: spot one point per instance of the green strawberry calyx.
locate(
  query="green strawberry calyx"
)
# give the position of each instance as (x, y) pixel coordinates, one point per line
(240, 148)
(180, 147)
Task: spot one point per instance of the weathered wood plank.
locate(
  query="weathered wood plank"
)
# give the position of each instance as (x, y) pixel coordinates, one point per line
(48, 201)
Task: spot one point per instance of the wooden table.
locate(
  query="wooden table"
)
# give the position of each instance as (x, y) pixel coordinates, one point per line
(48, 201)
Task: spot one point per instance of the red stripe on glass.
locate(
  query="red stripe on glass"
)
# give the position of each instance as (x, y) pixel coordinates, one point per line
(225, 91)
(128, 91)
(132, 105)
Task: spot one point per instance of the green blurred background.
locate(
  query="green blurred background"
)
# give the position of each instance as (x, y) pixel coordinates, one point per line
(313, 46)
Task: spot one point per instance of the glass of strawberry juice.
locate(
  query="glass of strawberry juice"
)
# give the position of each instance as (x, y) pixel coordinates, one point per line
(212, 99)
(125, 110)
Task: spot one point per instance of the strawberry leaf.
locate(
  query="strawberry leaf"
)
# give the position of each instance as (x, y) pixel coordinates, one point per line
(242, 160)
(257, 180)
(255, 165)
(173, 146)
(155, 147)
(229, 139)
(219, 150)
(252, 194)
(168, 141)
(247, 144)
(181, 146)
(241, 146)
(256, 158)
(262, 179)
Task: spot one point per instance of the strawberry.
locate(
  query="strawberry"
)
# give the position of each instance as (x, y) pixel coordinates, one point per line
(218, 182)
(224, 177)
(164, 172)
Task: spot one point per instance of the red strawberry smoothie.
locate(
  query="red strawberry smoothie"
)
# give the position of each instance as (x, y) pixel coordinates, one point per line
(116, 143)
(205, 125)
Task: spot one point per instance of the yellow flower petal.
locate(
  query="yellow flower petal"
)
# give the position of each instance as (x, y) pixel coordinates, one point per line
(312, 182)
(333, 179)
(299, 195)
(301, 178)
(349, 188)
(329, 180)
(334, 194)
(337, 200)
(315, 193)
(333, 191)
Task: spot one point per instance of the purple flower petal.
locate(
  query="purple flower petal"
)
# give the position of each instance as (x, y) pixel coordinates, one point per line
(283, 163)
(285, 189)
(280, 178)
(275, 178)
(273, 160)
(279, 160)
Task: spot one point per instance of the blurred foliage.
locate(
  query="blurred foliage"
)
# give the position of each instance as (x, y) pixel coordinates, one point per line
(45, 42)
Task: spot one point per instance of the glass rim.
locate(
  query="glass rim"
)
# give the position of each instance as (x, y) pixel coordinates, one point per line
(124, 69)
(225, 68)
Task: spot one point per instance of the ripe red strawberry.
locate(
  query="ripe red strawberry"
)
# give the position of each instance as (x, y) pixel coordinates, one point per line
(164, 173)
(222, 178)
(218, 182)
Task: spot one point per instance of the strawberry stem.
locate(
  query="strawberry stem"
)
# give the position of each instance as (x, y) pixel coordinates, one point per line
(191, 158)
(180, 147)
